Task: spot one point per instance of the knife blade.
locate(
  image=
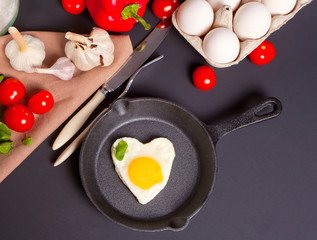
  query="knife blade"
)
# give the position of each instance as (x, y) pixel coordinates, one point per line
(139, 55)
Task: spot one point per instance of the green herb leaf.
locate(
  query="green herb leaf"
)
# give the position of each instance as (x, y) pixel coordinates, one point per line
(120, 150)
(1, 77)
(5, 147)
(28, 141)
(5, 132)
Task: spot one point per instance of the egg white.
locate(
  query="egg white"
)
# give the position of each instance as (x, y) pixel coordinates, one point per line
(160, 149)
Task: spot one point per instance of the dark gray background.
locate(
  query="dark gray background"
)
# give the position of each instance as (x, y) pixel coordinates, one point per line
(266, 182)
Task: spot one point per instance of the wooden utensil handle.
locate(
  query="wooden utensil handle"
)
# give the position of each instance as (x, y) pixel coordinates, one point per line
(78, 120)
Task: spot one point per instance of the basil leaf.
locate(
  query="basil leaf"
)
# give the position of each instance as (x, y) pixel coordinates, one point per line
(5, 132)
(120, 150)
(5, 147)
(28, 141)
(1, 77)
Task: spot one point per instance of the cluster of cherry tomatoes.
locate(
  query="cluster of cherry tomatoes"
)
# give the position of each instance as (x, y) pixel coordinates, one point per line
(17, 116)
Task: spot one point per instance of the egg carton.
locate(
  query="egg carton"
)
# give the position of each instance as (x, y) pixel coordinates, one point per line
(223, 18)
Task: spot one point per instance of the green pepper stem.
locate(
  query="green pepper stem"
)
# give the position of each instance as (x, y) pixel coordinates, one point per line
(131, 11)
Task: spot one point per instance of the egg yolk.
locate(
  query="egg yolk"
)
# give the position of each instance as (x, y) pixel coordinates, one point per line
(145, 172)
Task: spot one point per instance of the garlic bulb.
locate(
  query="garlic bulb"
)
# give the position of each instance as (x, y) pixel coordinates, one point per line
(63, 68)
(90, 52)
(24, 52)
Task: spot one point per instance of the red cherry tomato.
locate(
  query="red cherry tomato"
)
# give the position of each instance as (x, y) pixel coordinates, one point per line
(263, 54)
(74, 6)
(204, 78)
(18, 118)
(164, 8)
(41, 102)
(11, 91)
(165, 23)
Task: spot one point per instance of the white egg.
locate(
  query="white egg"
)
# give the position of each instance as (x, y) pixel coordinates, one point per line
(217, 4)
(145, 168)
(252, 21)
(195, 17)
(221, 45)
(277, 7)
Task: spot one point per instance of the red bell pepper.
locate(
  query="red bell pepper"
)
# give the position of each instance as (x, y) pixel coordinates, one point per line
(118, 15)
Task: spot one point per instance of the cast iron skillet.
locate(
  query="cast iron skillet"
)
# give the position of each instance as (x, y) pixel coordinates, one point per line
(193, 171)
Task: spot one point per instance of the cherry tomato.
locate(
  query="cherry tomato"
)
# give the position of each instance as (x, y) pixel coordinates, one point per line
(204, 78)
(165, 23)
(18, 118)
(41, 102)
(11, 91)
(74, 6)
(263, 54)
(164, 8)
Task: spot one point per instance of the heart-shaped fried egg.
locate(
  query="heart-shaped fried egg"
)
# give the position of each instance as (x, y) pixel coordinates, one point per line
(143, 168)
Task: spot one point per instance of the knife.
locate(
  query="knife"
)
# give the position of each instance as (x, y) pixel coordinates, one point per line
(78, 140)
(139, 55)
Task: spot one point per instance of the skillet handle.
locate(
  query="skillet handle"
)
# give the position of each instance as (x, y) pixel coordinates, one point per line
(247, 118)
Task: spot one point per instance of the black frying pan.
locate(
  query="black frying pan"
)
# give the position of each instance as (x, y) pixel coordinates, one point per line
(194, 168)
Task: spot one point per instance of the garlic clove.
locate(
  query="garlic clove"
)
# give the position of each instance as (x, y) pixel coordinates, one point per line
(24, 52)
(63, 68)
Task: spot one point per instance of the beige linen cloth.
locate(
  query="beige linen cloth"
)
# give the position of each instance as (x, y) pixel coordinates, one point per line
(68, 95)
